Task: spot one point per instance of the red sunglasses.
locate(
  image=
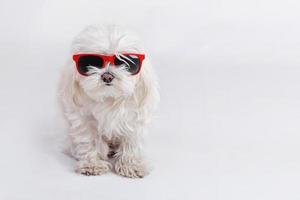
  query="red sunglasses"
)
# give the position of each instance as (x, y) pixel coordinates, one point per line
(131, 61)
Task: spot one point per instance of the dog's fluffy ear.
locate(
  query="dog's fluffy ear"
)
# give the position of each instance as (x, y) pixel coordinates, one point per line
(70, 93)
(146, 94)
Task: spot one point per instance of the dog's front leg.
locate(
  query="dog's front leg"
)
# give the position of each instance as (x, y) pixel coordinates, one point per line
(87, 148)
(130, 162)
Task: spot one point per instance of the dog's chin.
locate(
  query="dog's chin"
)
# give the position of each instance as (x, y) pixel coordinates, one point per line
(101, 91)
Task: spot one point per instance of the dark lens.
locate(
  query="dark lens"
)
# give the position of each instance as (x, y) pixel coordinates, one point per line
(132, 62)
(84, 62)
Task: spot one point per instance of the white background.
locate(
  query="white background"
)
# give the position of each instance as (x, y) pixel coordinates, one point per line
(228, 123)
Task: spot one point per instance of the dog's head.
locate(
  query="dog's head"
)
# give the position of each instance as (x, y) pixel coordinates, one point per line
(107, 60)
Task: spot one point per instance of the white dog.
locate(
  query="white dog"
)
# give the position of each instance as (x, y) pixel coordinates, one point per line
(108, 94)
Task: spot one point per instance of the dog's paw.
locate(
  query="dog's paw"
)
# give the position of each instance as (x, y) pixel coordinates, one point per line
(131, 168)
(94, 168)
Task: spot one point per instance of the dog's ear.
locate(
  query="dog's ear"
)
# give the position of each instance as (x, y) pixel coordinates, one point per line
(146, 94)
(70, 93)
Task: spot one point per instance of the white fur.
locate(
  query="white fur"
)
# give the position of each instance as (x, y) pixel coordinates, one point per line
(101, 115)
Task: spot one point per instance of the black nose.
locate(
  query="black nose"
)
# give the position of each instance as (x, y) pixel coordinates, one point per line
(107, 77)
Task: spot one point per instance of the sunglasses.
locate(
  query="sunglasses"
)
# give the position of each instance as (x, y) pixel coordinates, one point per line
(131, 61)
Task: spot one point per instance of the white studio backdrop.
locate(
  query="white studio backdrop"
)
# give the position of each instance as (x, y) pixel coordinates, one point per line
(228, 123)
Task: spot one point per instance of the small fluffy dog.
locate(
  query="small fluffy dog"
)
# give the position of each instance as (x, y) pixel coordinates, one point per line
(108, 93)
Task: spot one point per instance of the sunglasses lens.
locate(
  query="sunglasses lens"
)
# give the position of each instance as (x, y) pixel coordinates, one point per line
(85, 62)
(131, 62)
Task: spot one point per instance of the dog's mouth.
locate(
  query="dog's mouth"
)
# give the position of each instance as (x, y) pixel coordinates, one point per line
(108, 84)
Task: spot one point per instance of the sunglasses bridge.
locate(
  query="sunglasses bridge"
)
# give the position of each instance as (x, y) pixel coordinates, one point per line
(108, 59)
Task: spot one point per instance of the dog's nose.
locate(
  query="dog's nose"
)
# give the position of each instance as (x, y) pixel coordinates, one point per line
(107, 77)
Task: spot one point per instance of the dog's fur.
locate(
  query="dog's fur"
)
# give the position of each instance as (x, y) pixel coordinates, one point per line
(106, 123)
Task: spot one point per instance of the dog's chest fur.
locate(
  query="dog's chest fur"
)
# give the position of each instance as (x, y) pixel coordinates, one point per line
(114, 117)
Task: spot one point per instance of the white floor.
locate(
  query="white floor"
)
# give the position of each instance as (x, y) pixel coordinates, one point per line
(228, 123)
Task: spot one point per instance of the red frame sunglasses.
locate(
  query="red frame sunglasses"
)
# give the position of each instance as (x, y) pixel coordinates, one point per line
(109, 58)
